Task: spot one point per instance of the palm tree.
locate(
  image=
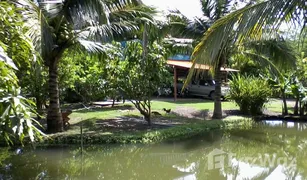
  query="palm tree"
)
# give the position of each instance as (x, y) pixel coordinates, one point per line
(181, 26)
(56, 26)
(213, 10)
(230, 31)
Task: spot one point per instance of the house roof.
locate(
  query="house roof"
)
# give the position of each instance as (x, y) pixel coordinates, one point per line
(188, 65)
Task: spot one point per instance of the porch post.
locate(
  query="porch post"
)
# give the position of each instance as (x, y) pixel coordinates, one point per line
(226, 78)
(175, 83)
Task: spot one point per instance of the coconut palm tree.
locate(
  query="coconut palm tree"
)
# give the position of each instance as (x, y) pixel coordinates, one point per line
(212, 10)
(229, 31)
(56, 26)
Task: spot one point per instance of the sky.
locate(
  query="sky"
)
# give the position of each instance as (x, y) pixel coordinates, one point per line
(189, 8)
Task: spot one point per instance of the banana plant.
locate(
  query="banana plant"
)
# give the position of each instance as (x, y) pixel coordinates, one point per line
(299, 92)
(281, 83)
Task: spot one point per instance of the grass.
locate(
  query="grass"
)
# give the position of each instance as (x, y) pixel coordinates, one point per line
(159, 135)
(199, 104)
(158, 105)
(102, 113)
(190, 127)
(276, 106)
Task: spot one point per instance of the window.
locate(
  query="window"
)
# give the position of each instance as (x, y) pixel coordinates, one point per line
(194, 82)
(203, 83)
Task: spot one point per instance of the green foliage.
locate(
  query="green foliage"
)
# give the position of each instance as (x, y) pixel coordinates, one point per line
(12, 34)
(15, 111)
(249, 93)
(80, 77)
(244, 64)
(31, 74)
(141, 77)
(92, 77)
(112, 70)
(302, 68)
(155, 136)
(35, 85)
(55, 27)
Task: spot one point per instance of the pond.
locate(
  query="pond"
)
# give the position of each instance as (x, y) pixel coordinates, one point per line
(270, 150)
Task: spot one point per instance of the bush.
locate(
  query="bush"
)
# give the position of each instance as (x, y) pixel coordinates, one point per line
(249, 93)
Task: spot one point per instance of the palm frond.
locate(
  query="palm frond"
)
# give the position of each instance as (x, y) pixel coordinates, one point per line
(37, 24)
(277, 51)
(93, 47)
(263, 60)
(54, 24)
(215, 9)
(178, 46)
(83, 13)
(51, 9)
(250, 22)
(196, 28)
(102, 20)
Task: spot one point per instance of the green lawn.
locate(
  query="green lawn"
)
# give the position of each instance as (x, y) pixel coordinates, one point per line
(91, 118)
(199, 104)
(158, 105)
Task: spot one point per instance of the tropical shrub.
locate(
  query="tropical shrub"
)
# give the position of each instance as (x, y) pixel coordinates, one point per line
(249, 93)
(141, 77)
(16, 112)
(83, 80)
(90, 77)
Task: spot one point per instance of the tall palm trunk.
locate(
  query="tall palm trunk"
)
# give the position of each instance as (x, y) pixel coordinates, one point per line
(54, 117)
(284, 100)
(296, 106)
(217, 113)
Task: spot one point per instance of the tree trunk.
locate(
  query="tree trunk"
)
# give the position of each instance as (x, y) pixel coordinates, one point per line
(217, 113)
(296, 106)
(147, 117)
(113, 103)
(285, 108)
(146, 112)
(54, 117)
(39, 107)
(301, 109)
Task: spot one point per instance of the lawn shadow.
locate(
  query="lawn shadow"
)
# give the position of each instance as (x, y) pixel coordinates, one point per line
(126, 123)
(203, 114)
(235, 112)
(127, 107)
(180, 101)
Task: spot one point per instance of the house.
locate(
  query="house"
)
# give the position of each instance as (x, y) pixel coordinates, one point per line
(181, 63)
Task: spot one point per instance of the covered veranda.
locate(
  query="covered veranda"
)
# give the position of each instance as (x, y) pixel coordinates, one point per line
(181, 69)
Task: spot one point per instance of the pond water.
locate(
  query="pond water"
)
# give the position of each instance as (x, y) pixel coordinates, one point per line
(271, 150)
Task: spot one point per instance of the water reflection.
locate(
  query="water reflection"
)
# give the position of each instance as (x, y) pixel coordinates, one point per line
(265, 151)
